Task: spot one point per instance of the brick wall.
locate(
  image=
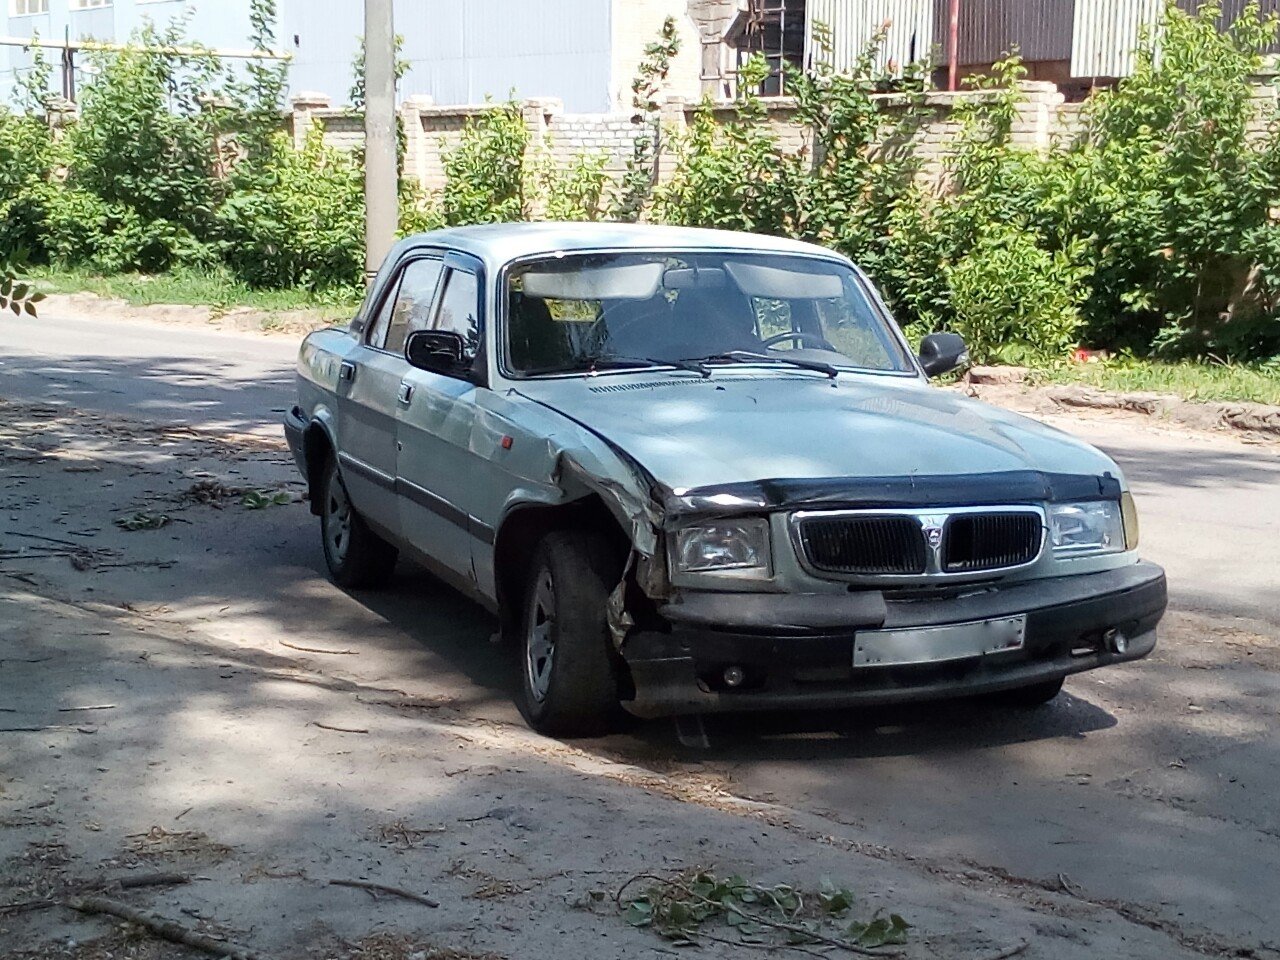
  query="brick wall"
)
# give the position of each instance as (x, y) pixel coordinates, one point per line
(1044, 121)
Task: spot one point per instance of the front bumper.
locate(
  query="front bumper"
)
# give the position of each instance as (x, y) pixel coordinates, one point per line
(797, 651)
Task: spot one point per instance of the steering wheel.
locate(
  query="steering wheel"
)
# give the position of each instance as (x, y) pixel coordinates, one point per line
(800, 336)
(604, 324)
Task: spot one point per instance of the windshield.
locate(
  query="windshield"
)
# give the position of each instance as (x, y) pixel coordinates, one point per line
(622, 310)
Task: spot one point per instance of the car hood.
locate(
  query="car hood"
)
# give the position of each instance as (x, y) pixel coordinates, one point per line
(740, 426)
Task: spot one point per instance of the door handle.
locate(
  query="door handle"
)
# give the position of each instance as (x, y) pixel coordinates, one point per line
(346, 371)
(405, 394)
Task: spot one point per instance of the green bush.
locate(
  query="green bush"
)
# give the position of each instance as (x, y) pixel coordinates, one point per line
(25, 158)
(144, 145)
(485, 173)
(299, 224)
(1172, 194)
(1013, 301)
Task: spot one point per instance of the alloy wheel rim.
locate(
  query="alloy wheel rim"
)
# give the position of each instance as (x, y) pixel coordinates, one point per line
(338, 517)
(540, 643)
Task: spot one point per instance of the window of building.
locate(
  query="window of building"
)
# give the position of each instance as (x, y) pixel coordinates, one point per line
(89, 4)
(27, 8)
(775, 29)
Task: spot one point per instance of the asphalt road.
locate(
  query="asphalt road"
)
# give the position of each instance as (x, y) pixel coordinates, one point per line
(1150, 787)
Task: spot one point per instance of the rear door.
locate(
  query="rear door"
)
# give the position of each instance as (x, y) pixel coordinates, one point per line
(437, 472)
(369, 381)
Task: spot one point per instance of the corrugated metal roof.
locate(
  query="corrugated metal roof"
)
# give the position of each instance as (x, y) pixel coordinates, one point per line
(854, 22)
(990, 29)
(1107, 33)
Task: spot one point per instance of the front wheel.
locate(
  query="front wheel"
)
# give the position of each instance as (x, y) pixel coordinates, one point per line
(356, 556)
(569, 670)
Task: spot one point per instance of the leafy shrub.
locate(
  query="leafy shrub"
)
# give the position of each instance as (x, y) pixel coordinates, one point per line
(1013, 301)
(25, 158)
(731, 172)
(485, 172)
(301, 226)
(1173, 195)
(578, 192)
(143, 145)
(641, 174)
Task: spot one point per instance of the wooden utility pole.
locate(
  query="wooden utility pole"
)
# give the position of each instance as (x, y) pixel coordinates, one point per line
(381, 202)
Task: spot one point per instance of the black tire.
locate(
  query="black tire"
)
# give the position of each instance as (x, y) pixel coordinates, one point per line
(1035, 695)
(356, 556)
(572, 690)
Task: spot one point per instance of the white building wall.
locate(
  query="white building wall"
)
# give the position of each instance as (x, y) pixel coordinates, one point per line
(636, 24)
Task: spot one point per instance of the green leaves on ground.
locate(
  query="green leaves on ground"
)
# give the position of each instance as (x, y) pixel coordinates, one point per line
(143, 521)
(699, 905)
(260, 499)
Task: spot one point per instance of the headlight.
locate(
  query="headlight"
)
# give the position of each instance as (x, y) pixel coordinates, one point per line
(1084, 529)
(723, 545)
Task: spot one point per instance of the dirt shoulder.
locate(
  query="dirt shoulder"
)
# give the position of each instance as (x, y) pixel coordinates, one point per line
(1251, 420)
(243, 738)
(280, 323)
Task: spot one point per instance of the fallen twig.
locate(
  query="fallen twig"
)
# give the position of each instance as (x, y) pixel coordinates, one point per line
(54, 726)
(100, 706)
(326, 726)
(161, 927)
(133, 881)
(376, 888)
(127, 882)
(294, 646)
(36, 536)
(1010, 952)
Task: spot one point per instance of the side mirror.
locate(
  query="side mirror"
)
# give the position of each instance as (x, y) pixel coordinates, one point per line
(439, 351)
(942, 352)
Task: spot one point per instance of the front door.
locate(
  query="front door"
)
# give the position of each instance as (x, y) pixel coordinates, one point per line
(368, 386)
(437, 472)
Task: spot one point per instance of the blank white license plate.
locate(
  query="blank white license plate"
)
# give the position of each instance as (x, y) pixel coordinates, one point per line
(955, 641)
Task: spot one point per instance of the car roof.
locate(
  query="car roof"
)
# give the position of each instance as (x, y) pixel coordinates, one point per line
(499, 243)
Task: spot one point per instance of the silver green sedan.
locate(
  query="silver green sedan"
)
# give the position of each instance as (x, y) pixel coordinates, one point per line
(696, 471)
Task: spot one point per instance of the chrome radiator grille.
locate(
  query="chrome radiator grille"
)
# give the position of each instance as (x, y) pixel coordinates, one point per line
(905, 543)
(990, 541)
(864, 545)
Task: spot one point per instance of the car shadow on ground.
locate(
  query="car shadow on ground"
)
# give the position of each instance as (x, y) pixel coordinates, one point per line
(903, 730)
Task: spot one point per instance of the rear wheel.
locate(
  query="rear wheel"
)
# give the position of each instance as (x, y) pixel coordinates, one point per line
(1035, 695)
(357, 557)
(569, 670)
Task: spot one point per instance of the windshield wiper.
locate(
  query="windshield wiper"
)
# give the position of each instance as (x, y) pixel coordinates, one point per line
(591, 364)
(746, 356)
(619, 363)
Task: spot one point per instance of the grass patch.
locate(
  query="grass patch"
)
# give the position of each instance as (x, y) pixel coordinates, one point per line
(214, 288)
(1258, 383)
